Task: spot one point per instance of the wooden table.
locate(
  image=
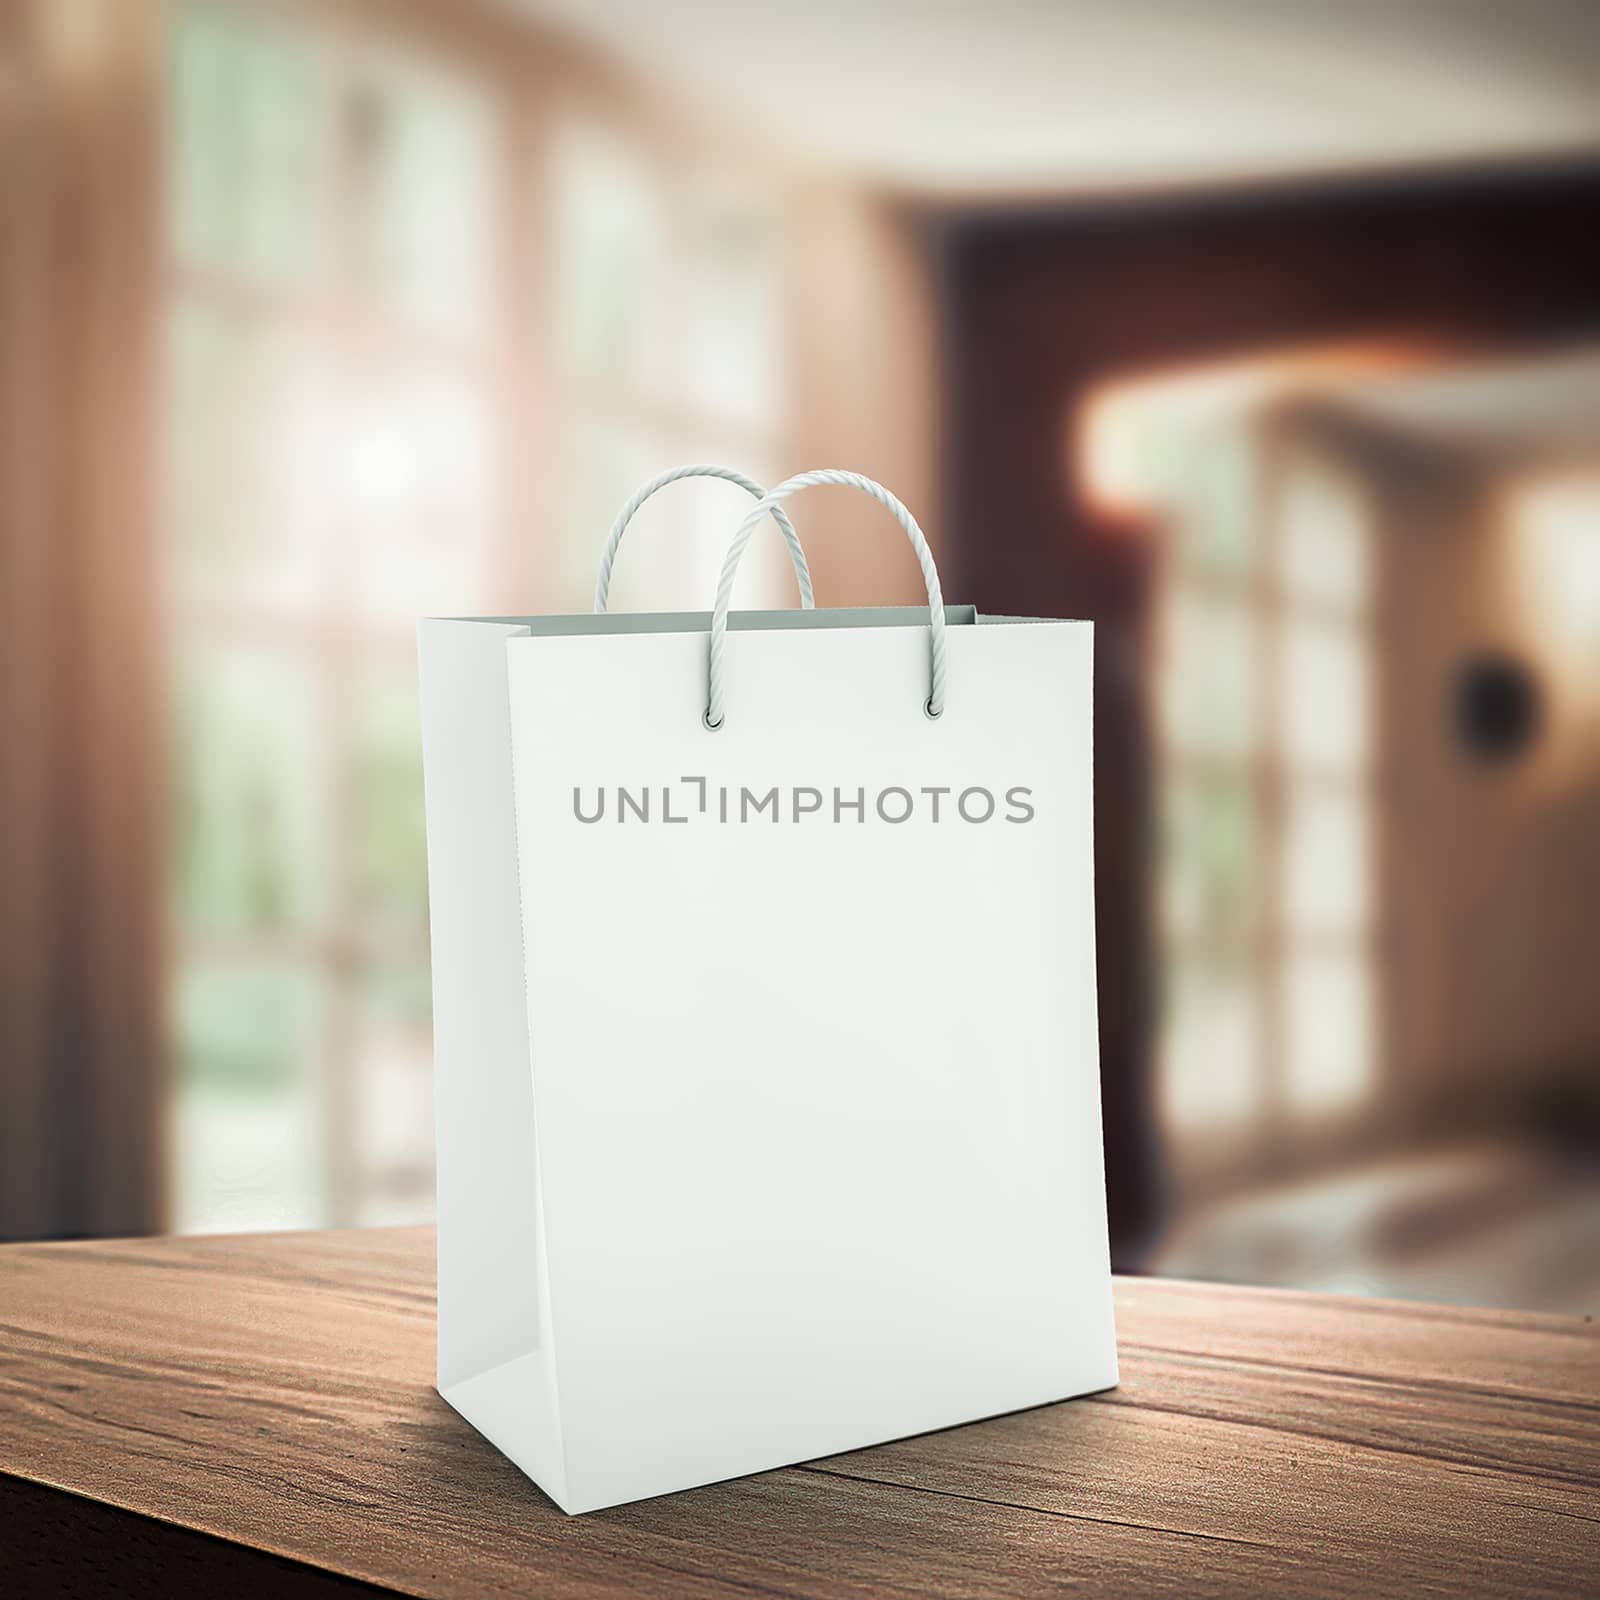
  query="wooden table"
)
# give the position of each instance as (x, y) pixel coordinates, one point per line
(199, 1415)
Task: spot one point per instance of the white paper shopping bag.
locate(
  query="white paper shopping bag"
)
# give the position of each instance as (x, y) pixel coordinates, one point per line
(764, 992)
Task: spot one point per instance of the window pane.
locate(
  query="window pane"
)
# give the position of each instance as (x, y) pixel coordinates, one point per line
(728, 359)
(251, 409)
(609, 230)
(1323, 695)
(390, 858)
(712, 513)
(1211, 1055)
(1208, 675)
(601, 465)
(1324, 544)
(393, 1065)
(1326, 872)
(1211, 477)
(1210, 843)
(420, 151)
(247, 845)
(672, 556)
(249, 1155)
(248, 150)
(1328, 1031)
(1176, 448)
(416, 479)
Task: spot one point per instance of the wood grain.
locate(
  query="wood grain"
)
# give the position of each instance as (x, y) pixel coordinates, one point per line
(275, 1393)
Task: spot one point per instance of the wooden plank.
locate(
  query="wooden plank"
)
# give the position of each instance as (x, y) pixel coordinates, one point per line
(275, 1392)
(56, 1543)
(1506, 1351)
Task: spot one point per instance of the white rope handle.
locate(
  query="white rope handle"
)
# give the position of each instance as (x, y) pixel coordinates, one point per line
(934, 704)
(802, 571)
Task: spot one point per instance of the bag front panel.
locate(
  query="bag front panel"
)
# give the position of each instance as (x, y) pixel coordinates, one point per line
(812, 1022)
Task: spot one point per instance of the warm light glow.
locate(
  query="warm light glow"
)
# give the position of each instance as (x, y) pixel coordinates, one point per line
(1556, 525)
(1117, 432)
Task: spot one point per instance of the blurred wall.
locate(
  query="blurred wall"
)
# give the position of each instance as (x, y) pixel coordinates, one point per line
(867, 386)
(1042, 312)
(1492, 874)
(83, 1073)
(1488, 874)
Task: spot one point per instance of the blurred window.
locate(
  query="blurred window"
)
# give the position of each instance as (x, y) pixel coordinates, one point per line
(1322, 782)
(346, 356)
(330, 473)
(667, 308)
(1265, 730)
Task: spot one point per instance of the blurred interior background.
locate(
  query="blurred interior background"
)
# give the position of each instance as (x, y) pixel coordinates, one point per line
(1266, 336)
